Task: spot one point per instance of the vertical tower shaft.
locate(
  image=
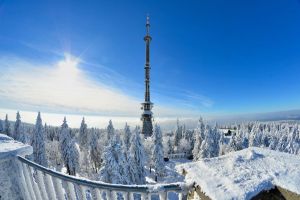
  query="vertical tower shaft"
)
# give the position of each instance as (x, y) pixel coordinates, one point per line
(147, 105)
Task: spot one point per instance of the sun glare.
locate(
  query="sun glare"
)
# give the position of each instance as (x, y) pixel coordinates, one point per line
(69, 66)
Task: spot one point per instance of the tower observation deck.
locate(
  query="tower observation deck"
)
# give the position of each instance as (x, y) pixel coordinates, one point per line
(147, 105)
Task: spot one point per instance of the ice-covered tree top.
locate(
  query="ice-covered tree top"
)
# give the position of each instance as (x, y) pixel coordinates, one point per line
(110, 130)
(64, 125)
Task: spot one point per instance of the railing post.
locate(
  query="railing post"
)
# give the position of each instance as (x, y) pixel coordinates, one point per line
(125, 195)
(41, 184)
(25, 189)
(113, 194)
(97, 193)
(82, 191)
(131, 196)
(145, 196)
(28, 181)
(163, 195)
(49, 187)
(34, 183)
(57, 183)
(182, 196)
(70, 190)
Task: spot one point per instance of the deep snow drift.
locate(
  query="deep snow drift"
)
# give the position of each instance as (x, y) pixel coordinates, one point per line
(244, 174)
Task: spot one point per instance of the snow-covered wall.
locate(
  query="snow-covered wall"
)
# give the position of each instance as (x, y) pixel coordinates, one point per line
(9, 173)
(244, 174)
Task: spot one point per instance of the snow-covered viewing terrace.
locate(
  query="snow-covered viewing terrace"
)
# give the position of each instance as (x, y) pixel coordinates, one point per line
(21, 178)
(241, 175)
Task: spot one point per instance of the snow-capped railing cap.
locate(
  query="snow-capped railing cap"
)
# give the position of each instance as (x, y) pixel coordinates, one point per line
(178, 186)
(10, 148)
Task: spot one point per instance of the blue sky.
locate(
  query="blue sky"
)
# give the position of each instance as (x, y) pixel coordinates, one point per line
(208, 57)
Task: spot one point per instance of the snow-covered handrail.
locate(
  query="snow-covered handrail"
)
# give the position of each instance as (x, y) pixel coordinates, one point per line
(178, 155)
(43, 183)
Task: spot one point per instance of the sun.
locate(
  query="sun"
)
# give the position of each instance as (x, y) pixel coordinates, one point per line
(69, 66)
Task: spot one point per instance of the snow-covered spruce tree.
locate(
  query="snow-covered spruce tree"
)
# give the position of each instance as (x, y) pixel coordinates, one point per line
(210, 145)
(85, 161)
(189, 136)
(244, 134)
(137, 153)
(127, 137)
(191, 139)
(53, 154)
(130, 169)
(110, 130)
(1, 126)
(255, 135)
(6, 127)
(283, 141)
(69, 150)
(114, 166)
(233, 144)
(169, 146)
(38, 142)
(184, 132)
(222, 145)
(199, 137)
(293, 146)
(266, 136)
(238, 140)
(158, 153)
(217, 136)
(18, 133)
(95, 152)
(83, 135)
(73, 157)
(64, 139)
(126, 168)
(178, 134)
(274, 136)
(50, 132)
(184, 146)
(46, 130)
(84, 146)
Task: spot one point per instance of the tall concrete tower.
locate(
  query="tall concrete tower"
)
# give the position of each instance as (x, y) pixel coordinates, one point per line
(147, 104)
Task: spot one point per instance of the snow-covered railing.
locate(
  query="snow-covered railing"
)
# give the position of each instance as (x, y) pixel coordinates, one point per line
(178, 155)
(9, 176)
(42, 183)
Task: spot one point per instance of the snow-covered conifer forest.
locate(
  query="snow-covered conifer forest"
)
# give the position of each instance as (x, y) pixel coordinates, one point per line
(124, 156)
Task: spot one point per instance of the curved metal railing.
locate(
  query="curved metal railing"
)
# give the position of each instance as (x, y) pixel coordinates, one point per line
(43, 183)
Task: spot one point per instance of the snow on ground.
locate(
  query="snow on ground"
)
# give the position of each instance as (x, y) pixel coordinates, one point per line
(10, 147)
(171, 175)
(244, 174)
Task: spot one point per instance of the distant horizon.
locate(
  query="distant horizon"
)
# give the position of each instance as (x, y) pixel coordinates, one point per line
(167, 123)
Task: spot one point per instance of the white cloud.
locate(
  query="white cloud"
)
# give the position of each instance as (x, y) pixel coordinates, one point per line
(199, 99)
(62, 85)
(64, 88)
